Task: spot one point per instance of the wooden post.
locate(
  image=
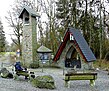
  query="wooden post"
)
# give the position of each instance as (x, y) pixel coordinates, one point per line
(92, 82)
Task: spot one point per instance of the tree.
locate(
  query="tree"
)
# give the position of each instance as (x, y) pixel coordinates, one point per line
(15, 23)
(84, 15)
(2, 38)
(48, 32)
(80, 14)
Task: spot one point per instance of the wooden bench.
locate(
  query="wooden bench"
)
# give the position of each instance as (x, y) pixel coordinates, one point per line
(21, 73)
(27, 75)
(80, 76)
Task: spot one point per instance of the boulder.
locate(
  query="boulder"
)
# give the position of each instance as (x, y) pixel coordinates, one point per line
(5, 73)
(45, 81)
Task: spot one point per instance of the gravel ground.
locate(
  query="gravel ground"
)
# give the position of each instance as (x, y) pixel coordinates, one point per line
(101, 84)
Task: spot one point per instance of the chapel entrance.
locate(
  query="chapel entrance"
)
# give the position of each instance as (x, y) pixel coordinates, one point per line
(72, 58)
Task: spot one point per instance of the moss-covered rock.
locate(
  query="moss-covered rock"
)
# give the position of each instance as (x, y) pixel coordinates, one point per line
(5, 73)
(45, 81)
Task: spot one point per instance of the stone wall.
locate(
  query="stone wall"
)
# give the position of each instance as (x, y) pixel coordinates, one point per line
(29, 42)
(61, 61)
(34, 38)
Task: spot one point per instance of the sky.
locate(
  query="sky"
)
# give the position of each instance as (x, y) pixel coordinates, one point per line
(5, 5)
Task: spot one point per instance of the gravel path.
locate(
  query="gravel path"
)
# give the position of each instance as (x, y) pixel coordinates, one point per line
(102, 83)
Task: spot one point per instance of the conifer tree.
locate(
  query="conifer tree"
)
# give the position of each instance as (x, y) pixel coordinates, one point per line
(2, 38)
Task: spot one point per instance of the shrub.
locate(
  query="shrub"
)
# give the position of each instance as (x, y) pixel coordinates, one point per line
(34, 65)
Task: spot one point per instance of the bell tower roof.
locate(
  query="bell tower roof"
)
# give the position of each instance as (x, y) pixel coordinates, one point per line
(31, 12)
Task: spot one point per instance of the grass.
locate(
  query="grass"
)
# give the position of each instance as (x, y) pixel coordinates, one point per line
(7, 56)
(12, 53)
(2, 53)
(102, 64)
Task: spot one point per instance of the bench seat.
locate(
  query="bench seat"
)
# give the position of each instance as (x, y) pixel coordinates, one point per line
(22, 73)
(81, 76)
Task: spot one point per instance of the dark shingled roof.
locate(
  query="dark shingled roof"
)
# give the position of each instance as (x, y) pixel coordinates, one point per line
(32, 12)
(80, 45)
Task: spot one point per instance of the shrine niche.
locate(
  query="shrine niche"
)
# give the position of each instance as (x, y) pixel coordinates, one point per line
(44, 53)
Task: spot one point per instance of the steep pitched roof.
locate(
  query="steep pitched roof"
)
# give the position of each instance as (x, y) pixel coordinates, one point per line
(83, 45)
(43, 49)
(80, 45)
(32, 12)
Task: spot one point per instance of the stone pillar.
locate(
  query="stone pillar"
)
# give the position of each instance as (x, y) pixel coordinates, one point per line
(29, 42)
